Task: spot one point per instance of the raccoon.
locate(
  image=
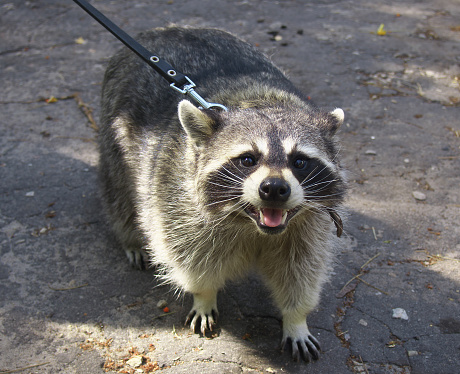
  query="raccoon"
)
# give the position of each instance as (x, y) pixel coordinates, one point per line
(205, 195)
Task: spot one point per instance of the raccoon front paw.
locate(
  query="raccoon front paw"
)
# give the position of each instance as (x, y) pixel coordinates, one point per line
(137, 258)
(204, 312)
(302, 343)
(308, 348)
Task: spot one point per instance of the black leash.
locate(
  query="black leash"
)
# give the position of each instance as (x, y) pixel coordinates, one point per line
(177, 80)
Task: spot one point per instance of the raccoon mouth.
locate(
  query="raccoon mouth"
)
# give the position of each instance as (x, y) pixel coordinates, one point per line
(271, 220)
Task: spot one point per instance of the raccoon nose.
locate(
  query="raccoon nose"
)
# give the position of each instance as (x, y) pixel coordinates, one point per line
(274, 189)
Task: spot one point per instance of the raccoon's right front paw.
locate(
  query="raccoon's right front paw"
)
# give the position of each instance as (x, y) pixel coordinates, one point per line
(301, 342)
(204, 309)
(307, 347)
(137, 258)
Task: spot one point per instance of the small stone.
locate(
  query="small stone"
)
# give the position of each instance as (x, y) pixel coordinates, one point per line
(371, 152)
(134, 361)
(362, 322)
(161, 304)
(276, 26)
(400, 313)
(419, 195)
(401, 55)
(412, 353)
(30, 194)
(278, 38)
(406, 160)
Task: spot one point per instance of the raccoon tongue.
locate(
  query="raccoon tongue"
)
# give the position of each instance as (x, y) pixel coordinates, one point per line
(271, 217)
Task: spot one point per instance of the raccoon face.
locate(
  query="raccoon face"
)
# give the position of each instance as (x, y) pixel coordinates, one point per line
(259, 166)
(276, 192)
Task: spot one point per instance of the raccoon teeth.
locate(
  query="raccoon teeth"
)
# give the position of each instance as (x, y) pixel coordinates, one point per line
(283, 219)
(269, 217)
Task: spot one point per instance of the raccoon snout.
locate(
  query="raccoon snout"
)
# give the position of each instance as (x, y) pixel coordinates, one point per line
(274, 189)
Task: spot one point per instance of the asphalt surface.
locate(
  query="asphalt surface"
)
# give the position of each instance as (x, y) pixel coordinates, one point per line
(69, 301)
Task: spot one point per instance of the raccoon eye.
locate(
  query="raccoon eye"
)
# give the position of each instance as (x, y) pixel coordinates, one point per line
(248, 161)
(300, 163)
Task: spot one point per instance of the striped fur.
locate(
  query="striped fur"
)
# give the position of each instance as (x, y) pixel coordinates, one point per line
(206, 196)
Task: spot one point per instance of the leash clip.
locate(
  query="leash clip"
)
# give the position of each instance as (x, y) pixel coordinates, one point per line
(188, 89)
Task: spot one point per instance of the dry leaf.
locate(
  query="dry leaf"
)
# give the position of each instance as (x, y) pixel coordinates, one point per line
(51, 100)
(80, 40)
(381, 31)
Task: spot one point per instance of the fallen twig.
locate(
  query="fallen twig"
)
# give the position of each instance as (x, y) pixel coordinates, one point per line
(370, 260)
(370, 285)
(68, 288)
(87, 111)
(439, 257)
(358, 277)
(375, 235)
(364, 365)
(22, 369)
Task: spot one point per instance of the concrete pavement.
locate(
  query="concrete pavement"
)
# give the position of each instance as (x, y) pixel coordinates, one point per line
(70, 303)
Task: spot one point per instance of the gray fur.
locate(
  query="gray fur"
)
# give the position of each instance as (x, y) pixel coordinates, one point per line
(182, 186)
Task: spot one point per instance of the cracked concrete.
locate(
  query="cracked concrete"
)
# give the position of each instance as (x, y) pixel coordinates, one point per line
(70, 303)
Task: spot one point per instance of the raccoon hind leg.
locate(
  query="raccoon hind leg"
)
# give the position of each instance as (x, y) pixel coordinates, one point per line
(137, 257)
(130, 239)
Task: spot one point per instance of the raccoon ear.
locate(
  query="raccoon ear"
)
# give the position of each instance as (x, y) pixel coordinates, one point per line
(198, 125)
(338, 116)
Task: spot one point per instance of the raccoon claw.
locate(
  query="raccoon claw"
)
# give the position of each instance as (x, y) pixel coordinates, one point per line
(204, 309)
(207, 321)
(137, 258)
(308, 348)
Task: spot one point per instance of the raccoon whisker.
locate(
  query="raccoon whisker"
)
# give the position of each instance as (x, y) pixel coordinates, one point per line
(330, 198)
(339, 150)
(309, 177)
(234, 197)
(237, 168)
(325, 185)
(320, 194)
(314, 191)
(237, 178)
(313, 194)
(225, 196)
(226, 185)
(226, 182)
(319, 186)
(323, 180)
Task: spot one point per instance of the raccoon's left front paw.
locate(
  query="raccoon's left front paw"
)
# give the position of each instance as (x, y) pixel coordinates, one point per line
(302, 343)
(204, 309)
